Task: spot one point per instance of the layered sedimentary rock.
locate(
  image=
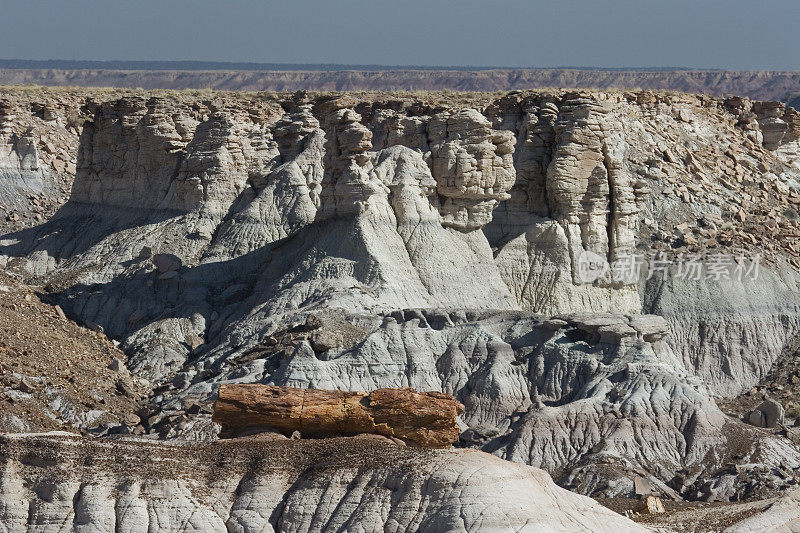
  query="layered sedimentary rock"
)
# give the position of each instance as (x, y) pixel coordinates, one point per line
(52, 482)
(597, 399)
(428, 419)
(357, 242)
(38, 151)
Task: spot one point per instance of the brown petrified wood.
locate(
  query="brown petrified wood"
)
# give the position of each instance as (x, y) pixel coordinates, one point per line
(425, 418)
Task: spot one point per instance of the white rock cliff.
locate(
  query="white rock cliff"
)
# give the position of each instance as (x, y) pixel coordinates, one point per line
(438, 245)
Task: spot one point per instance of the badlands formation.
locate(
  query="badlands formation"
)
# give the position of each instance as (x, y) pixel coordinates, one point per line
(439, 241)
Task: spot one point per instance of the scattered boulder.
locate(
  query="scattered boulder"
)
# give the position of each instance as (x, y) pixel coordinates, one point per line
(642, 486)
(193, 341)
(181, 380)
(166, 263)
(651, 505)
(26, 386)
(117, 365)
(768, 414)
(192, 407)
(125, 389)
(97, 328)
(145, 253)
(323, 340)
(313, 322)
(756, 418)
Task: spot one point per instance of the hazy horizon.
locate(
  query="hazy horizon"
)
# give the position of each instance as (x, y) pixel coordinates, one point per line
(599, 34)
(167, 64)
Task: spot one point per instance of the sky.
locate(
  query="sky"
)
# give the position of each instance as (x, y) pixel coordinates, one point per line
(725, 34)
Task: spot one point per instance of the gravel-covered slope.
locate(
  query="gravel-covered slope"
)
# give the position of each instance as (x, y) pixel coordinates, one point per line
(55, 374)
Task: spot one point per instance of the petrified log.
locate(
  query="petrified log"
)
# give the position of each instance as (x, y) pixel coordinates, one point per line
(425, 418)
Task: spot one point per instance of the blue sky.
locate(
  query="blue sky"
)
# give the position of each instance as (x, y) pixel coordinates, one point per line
(734, 34)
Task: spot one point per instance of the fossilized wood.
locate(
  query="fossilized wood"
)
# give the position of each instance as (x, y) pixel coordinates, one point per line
(425, 418)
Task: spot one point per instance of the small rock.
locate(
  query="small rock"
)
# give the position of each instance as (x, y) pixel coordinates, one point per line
(193, 341)
(296, 435)
(554, 323)
(60, 312)
(97, 328)
(374, 437)
(768, 414)
(26, 386)
(131, 419)
(642, 487)
(324, 340)
(116, 364)
(756, 418)
(192, 407)
(124, 388)
(313, 322)
(652, 505)
(167, 262)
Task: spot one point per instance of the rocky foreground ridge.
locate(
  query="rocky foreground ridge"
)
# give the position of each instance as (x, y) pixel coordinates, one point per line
(363, 241)
(65, 483)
